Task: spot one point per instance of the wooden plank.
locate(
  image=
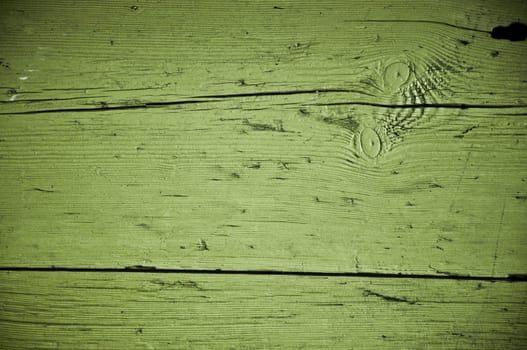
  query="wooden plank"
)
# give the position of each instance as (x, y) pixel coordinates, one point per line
(267, 183)
(78, 54)
(186, 311)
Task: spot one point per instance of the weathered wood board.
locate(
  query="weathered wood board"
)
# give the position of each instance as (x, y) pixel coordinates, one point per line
(77, 54)
(267, 183)
(188, 311)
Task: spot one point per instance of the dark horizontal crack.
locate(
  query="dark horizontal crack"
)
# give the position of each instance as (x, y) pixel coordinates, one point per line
(514, 32)
(73, 89)
(104, 107)
(285, 93)
(153, 269)
(133, 89)
(423, 105)
(47, 99)
(368, 292)
(418, 21)
(38, 189)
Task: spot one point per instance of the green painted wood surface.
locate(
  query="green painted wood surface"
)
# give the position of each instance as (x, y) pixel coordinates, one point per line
(267, 186)
(186, 311)
(300, 136)
(66, 54)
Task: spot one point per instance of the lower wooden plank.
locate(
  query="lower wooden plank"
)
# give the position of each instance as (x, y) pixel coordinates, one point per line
(108, 310)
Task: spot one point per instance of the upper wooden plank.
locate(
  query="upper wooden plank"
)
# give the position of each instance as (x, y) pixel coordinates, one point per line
(267, 183)
(87, 54)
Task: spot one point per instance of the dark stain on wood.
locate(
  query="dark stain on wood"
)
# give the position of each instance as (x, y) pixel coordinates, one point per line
(265, 127)
(176, 284)
(202, 245)
(514, 32)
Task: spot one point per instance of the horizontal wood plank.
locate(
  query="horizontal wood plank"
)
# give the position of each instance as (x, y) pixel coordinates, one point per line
(267, 183)
(186, 311)
(78, 54)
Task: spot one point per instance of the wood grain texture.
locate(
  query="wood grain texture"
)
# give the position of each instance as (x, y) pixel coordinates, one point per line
(78, 54)
(296, 156)
(185, 311)
(267, 183)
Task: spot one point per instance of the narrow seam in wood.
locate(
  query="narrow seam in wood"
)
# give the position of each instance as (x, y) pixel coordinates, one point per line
(153, 269)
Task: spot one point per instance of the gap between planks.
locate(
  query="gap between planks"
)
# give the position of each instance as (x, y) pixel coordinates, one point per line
(152, 269)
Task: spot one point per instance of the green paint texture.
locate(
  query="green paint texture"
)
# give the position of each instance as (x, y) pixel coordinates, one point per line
(263, 175)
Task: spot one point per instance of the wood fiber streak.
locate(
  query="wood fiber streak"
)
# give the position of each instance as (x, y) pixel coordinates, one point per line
(75, 54)
(267, 183)
(185, 311)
